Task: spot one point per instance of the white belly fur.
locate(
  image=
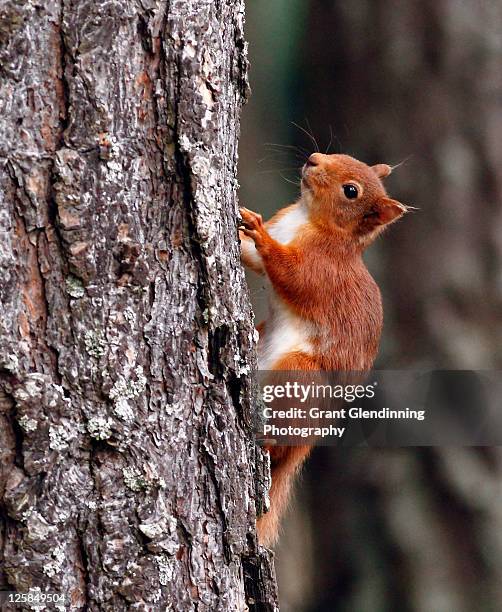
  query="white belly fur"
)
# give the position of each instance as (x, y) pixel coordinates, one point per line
(284, 332)
(287, 227)
(248, 249)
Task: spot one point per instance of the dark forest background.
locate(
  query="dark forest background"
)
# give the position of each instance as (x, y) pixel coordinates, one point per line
(416, 83)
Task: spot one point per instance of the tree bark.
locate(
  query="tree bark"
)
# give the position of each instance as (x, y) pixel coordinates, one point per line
(129, 477)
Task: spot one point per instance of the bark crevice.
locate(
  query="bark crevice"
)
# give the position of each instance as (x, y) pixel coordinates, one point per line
(128, 353)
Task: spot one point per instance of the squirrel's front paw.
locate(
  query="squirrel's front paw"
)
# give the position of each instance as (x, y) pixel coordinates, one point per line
(250, 219)
(252, 225)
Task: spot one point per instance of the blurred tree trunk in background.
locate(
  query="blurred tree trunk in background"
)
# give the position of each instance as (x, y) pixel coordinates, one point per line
(129, 478)
(417, 81)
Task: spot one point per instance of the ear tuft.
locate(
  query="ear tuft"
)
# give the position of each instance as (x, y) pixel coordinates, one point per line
(381, 170)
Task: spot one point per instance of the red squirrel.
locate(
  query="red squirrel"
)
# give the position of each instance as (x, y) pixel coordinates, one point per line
(325, 308)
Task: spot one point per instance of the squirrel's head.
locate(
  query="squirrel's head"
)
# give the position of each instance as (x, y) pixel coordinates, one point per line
(348, 195)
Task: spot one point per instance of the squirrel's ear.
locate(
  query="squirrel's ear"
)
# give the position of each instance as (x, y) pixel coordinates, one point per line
(385, 211)
(381, 170)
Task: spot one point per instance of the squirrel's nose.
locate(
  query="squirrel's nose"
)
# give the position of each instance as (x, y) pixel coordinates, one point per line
(314, 160)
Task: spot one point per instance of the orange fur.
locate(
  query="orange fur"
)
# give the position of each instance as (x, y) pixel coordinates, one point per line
(248, 255)
(327, 307)
(285, 461)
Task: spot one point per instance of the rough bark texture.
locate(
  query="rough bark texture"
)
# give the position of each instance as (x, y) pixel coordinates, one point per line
(128, 475)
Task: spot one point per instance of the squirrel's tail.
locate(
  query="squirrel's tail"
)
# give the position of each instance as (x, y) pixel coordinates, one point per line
(285, 462)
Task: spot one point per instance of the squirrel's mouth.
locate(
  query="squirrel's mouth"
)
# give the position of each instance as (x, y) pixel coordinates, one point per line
(305, 176)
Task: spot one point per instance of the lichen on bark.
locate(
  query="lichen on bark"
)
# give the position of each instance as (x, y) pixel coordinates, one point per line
(129, 477)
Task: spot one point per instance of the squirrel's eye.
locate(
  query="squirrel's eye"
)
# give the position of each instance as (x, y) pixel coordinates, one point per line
(350, 191)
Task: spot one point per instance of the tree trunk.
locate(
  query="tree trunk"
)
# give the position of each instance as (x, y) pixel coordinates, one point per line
(129, 477)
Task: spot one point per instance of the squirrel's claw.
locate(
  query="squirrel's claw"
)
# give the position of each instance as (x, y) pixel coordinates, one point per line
(250, 220)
